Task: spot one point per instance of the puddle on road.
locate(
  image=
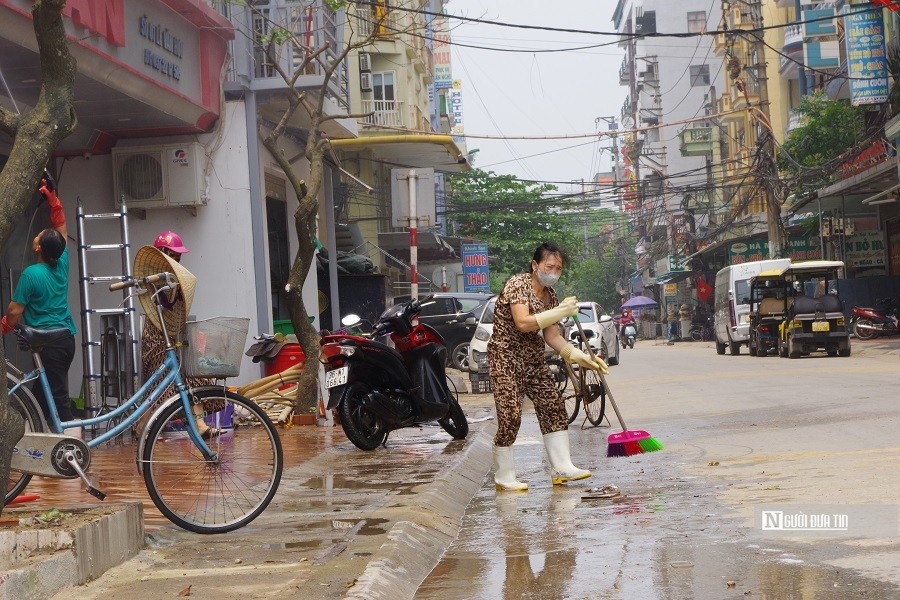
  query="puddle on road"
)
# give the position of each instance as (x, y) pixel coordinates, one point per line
(660, 543)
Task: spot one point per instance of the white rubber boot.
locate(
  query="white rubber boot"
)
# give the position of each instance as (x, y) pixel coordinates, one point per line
(505, 471)
(561, 467)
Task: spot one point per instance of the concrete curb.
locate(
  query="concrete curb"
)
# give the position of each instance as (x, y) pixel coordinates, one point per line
(416, 545)
(44, 561)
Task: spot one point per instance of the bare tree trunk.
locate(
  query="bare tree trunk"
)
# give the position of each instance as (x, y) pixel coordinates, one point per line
(36, 134)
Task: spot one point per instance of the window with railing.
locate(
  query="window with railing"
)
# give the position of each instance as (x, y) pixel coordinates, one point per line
(376, 18)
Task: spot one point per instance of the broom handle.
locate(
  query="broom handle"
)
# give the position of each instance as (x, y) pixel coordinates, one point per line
(602, 378)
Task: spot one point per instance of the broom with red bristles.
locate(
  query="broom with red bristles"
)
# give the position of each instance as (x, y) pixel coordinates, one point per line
(626, 442)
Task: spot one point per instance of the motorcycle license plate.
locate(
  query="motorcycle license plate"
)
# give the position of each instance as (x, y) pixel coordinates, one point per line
(820, 326)
(336, 377)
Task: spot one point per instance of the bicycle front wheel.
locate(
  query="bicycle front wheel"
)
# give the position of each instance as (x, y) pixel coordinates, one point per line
(227, 491)
(571, 400)
(24, 403)
(593, 397)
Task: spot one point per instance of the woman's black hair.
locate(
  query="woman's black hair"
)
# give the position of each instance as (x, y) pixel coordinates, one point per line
(548, 248)
(52, 244)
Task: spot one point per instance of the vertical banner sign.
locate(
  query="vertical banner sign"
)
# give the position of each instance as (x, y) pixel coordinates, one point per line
(475, 268)
(866, 55)
(443, 75)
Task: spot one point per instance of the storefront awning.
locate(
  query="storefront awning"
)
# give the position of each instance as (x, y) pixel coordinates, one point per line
(431, 246)
(416, 151)
(673, 277)
(847, 195)
(119, 91)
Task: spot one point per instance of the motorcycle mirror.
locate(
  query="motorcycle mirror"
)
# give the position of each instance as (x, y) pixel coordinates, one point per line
(351, 320)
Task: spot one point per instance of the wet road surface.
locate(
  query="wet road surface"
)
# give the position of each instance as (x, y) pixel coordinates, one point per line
(754, 430)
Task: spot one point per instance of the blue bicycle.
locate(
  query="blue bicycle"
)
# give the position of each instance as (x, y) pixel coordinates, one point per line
(213, 482)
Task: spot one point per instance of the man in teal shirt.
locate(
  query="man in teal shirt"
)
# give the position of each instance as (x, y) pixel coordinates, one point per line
(41, 300)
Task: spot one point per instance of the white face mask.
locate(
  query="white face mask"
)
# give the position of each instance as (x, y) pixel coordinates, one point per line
(547, 279)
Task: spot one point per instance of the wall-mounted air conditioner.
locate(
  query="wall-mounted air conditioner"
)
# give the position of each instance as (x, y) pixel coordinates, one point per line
(365, 61)
(365, 82)
(159, 176)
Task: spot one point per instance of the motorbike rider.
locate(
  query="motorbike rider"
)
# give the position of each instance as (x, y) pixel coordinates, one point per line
(625, 320)
(527, 306)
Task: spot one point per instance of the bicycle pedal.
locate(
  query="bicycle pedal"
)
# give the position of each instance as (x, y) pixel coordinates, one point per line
(96, 493)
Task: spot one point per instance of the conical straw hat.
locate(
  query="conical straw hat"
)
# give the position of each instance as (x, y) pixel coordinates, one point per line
(149, 261)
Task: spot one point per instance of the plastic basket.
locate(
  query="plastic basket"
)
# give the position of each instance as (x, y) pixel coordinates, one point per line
(480, 383)
(214, 347)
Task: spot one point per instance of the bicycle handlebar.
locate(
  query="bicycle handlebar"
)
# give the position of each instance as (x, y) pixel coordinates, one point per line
(168, 278)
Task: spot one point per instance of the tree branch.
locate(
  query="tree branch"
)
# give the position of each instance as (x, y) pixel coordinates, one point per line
(9, 122)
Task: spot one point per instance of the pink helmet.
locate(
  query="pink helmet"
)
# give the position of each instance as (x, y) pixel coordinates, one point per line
(171, 241)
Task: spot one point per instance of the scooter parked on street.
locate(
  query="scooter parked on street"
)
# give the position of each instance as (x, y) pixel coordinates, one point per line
(377, 389)
(882, 320)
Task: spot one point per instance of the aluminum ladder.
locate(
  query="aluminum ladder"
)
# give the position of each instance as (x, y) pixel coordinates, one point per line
(115, 323)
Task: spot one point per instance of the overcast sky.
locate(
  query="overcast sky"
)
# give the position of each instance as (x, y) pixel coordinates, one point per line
(537, 94)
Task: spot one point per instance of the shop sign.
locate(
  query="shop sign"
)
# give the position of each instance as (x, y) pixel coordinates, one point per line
(476, 273)
(162, 38)
(875, 154)
(866, 55)
(670, 289)
(106, 18)
(798, 249)
(865, 249)
(443, 76)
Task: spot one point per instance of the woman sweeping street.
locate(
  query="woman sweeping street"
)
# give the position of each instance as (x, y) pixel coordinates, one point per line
(527, 306)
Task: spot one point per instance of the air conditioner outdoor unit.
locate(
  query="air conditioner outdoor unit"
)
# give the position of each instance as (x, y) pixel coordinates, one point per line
(159, 176)
(365, 82)
(365, 61)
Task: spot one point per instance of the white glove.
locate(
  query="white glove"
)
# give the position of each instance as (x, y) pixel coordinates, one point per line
(573, 355)
(566, 308)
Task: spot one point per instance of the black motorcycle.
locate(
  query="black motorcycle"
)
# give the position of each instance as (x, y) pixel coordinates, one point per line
(377, 389)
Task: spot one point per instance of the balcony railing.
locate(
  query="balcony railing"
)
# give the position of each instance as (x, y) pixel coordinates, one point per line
(386, 113)
(624, 72)
(793, 35)
(311, 25)
(385, 26)
(696, 141)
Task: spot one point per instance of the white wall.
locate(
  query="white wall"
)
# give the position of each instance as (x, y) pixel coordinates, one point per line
(218, 237)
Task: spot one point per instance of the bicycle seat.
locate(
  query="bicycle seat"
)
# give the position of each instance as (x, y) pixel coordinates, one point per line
(36, 339)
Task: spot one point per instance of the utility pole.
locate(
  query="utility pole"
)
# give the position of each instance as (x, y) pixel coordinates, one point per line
(767, 170)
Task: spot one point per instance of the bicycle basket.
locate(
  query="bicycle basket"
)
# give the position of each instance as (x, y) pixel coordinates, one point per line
(214, 347)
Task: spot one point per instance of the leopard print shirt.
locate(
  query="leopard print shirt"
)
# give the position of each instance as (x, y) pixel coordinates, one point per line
(508, 344)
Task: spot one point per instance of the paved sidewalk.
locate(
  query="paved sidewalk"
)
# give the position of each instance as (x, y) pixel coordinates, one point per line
(344, 523)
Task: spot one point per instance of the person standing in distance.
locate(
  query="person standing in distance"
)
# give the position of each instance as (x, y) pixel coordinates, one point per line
(528, 306)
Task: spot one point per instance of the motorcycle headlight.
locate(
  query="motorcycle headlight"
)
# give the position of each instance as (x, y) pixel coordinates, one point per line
(482, 334)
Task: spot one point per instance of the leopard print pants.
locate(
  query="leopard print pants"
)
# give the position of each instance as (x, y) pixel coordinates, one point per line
(510, 384)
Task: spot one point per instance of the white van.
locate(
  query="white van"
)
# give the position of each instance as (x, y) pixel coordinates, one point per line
(732, 302)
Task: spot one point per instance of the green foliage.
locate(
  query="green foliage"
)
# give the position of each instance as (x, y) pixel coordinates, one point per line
(595, 277)
(513, 217)
(828, 128)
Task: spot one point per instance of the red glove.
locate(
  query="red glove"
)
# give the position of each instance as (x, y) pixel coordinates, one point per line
(57, 216)
(5, 325)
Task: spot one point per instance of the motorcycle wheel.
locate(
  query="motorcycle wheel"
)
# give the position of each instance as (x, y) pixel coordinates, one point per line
(455, 423)
(864, 329)
(361, 426)
(631, 342)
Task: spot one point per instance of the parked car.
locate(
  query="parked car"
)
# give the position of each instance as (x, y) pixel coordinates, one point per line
(600, 329)
(478, 345)
(454, 315)
(587, 316)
